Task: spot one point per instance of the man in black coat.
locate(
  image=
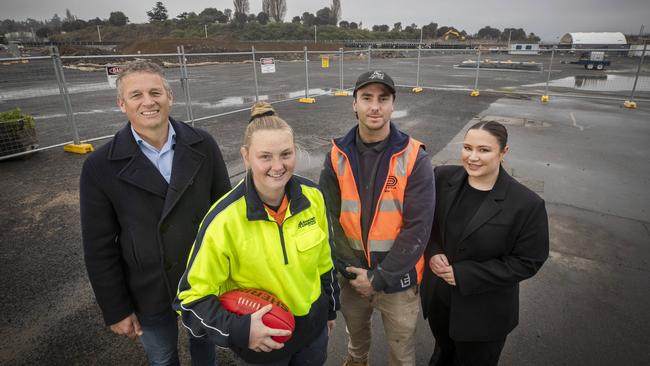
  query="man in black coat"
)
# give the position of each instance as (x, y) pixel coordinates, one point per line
(143, 196)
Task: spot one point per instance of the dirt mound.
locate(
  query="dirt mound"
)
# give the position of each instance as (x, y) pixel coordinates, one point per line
(218, 44)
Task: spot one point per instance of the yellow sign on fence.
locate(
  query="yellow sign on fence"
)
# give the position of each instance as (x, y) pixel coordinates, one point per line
(325, 62)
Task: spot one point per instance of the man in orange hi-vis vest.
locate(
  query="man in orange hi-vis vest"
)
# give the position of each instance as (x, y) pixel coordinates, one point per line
(379, 189)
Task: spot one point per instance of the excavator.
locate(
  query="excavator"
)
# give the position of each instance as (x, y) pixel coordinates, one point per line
(454, 34)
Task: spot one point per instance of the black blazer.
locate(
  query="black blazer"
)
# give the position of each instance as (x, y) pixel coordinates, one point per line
(137, 229)
(504, 243)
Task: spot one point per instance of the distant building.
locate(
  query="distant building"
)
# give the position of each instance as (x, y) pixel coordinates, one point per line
(523, 48)
(20, 37)
(594, 40)
(636, 50)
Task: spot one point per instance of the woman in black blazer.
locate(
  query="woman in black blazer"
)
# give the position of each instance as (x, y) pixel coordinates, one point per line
(489, 233)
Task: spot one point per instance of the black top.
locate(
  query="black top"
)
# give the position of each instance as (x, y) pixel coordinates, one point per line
(465, 205)
(504, 243)
(369, 156)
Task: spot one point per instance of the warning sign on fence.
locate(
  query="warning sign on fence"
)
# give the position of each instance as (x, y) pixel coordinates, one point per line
(325, 62)
(267, 65)
(112, 72)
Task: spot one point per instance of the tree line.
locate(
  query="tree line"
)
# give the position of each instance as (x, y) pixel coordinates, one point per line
(265, 25)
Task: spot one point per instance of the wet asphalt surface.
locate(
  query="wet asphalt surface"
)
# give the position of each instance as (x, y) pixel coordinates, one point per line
(588, 305)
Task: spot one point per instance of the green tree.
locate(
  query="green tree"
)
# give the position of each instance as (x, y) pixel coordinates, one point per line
(488, 32)
(158, 13)
(69, 17)
(308, 19)
(397, 27)
(335, 12)
(43, 32)
(380, 28)
(429, 30)
(324, 16)
(241, 6)
(55, 23)
(344, 24)
(262, 18)
(295, 19)
(354, 25)
(117, 19)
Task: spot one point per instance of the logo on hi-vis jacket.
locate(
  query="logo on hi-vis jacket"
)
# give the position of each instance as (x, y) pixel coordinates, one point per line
(391, 183)
(304, 223)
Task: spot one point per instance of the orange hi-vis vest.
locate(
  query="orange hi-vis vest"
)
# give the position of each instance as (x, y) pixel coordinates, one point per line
(388, 219)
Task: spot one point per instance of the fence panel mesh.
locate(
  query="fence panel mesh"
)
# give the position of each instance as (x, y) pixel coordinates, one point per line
(219, 83)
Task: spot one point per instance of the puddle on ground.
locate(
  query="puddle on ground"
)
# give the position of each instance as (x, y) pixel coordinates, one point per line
(399, 114)
(600, 83)
(246, 100)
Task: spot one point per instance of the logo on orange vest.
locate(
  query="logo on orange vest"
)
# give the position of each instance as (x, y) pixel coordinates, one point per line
(391, 183)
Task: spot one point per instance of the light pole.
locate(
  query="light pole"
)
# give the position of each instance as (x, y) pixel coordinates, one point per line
(99, 33)
(509, 34)
(205, 28)
(314, 33)
(421, 29)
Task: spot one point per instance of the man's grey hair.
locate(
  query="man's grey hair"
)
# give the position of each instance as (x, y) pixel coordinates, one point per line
(133, 67)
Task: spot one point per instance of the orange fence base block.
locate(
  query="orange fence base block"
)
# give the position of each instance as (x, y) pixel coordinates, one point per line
(78, 149)
(629, 104)
(417, 89)
(307, 100)
(545, 99)
(341, 93)
(474, 93)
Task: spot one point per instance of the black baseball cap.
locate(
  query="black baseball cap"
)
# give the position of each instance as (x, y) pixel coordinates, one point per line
(374, 76)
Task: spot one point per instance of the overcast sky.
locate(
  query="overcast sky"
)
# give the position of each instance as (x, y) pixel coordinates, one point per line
(549, 19)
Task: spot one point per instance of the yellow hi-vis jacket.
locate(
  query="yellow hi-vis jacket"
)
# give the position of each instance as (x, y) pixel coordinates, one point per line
(240, 245)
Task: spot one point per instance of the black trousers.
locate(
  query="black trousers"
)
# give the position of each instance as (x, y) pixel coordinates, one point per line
(449, 352)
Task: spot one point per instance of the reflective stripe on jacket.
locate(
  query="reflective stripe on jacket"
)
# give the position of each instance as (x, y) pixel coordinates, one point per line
(388, 216)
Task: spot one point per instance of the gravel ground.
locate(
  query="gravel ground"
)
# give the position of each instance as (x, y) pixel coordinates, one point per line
(48, 314)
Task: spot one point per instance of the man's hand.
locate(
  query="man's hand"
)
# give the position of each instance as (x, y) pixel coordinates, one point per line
(129, 326)
(441, 268)
(330, 325)
(259, 339)
(361, 284)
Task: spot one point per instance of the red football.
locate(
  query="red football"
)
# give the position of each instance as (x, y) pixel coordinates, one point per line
(245, 301)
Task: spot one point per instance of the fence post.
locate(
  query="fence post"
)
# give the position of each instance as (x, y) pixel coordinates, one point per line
(257, 89)
(306, 98)
(76, 147)
(341, 68)
(369, 56)
(417, 88)
(475, 92)
(630, 103)
(545, 98)
(341, 92)
(185, 83)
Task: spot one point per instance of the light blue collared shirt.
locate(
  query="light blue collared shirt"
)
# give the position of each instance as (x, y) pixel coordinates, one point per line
(162, 159)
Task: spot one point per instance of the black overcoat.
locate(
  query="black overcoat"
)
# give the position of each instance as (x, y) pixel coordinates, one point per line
(137, 230)
(504, 243)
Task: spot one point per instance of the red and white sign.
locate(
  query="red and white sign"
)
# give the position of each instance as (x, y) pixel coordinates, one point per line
(267, 65)
(112, 72)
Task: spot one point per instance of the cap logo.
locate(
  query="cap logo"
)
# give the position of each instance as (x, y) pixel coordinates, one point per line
(376, 75)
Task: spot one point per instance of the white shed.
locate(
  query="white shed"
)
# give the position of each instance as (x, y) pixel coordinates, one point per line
(583, 40)
(523, 48)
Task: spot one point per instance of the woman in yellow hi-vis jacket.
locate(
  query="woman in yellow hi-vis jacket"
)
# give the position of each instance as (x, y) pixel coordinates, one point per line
(270, 232)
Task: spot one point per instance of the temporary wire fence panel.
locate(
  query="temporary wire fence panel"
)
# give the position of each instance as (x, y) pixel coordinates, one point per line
(222, 83)
(31, 85)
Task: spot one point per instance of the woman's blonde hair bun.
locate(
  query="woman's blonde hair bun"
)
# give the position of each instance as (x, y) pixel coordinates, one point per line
(262, 109)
